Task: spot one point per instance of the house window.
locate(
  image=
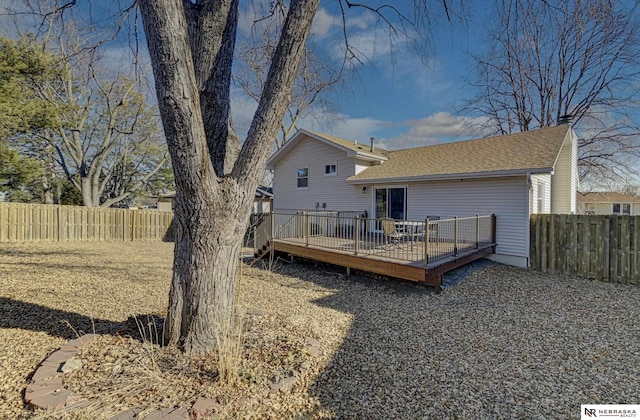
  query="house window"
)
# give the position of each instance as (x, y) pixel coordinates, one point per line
(303, 178)
(330, 169)
(621, 208)
(540, 197)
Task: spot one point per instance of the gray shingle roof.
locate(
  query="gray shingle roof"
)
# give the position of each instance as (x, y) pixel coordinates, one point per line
(356, 147)
(520, 152)
(606, 197)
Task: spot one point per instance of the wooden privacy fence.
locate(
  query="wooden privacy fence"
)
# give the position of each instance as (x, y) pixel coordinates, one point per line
(597, 247)
(20, 222)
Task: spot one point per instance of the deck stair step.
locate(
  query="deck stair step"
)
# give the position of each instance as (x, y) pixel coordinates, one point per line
(263, 251)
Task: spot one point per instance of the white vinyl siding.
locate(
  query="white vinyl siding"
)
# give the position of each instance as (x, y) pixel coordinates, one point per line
(536, 181)
(332, 191)
(360, 166)
(507, 198)
(564, 182)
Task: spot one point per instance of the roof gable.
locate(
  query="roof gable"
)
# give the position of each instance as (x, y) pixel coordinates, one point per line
(526, 152)
(351, 148)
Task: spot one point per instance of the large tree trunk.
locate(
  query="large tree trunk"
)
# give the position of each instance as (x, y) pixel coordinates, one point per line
(214, 191)
(87, 192)
(208, 235)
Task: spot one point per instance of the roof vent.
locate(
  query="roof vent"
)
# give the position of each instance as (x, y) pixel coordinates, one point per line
(565, 120)
(372, 149)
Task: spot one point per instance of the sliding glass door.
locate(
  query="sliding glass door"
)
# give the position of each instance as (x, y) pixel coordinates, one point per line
(391, 202)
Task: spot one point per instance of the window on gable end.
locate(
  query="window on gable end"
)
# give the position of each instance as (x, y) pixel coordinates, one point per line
(331, 169)
(303, 178)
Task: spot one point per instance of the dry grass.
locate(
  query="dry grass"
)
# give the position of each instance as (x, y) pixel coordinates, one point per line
(52, 292)
(505, 343)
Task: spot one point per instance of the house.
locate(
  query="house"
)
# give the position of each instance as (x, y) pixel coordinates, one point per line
(261, 202)
(511, 176)
(608, 203)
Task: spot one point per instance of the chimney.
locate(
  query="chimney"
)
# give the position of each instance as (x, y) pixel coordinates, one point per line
(372, 149)
(565, 119)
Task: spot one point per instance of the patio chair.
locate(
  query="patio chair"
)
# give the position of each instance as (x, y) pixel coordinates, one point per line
(391, 234)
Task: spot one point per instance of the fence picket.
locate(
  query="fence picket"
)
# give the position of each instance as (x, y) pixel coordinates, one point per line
(22, 222)
(601, 247)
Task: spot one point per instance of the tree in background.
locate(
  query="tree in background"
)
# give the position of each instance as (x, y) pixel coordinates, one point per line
(23, 67)
(555, 58)
(314, 80)
(18, 175)
(105, 137)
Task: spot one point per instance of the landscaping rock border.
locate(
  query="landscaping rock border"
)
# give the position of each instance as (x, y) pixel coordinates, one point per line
(47, 392)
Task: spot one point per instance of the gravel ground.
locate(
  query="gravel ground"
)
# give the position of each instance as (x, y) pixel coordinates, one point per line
(504, 343)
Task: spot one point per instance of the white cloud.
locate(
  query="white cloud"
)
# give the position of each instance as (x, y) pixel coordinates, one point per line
(440, 127)
(346, 126)
(323, 22)
(242, 110)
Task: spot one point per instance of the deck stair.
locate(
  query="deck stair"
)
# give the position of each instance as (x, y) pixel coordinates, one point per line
(262, 251)
(262, 237)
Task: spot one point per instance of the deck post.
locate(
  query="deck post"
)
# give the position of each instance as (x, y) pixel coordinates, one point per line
(477, 231)
(255, 247)
(426, 241)
(307, 228)
(356, 233)
(272, 227)
(455, 235)
(493, 228)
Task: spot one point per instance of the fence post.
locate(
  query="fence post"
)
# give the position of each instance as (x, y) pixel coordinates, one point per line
(477, 231)
(455, 235)
(59, 216)
(306, 228)
(133, 225)
(356, 233)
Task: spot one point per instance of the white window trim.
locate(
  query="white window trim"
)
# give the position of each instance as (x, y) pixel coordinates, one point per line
(334, 173)
(298, 178)
(621, 212)
(540, 201)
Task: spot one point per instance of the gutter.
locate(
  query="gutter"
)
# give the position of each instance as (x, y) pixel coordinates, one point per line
(448, 177)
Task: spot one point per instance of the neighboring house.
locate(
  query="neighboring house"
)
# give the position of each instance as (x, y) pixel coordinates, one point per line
(511, 176)
(165, 201)
(261, 202)
(608, 203)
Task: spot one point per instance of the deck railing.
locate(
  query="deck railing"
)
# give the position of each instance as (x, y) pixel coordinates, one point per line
(427, 241)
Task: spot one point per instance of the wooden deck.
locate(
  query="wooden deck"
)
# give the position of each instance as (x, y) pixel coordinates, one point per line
(421, 252)
(340, 252)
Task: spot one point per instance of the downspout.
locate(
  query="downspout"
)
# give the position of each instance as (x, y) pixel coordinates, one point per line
(529, 186)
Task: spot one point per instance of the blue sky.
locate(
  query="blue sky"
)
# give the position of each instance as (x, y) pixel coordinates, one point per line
(402, 98)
